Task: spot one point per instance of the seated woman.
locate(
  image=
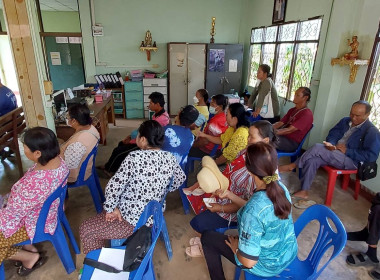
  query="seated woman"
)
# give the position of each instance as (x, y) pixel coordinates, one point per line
(234, 139)
(222, 214)
(215, 127)
(127, 145)
(75, 150)
(266, 244)
(143, 176)
(201, 104)
(18, 218)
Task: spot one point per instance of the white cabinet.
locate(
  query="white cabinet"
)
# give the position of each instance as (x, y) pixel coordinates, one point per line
(152, 85)
(187, 70)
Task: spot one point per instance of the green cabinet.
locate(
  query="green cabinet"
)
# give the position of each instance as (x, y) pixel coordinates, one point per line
(134, 100)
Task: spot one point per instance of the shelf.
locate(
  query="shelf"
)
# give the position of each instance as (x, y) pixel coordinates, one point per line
(352, 63)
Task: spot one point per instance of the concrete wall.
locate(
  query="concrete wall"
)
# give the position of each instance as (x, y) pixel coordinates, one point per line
(168, 21)
(332, 94)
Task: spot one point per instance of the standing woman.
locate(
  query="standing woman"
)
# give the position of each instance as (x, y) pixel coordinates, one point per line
(259, 94)
(266, 244)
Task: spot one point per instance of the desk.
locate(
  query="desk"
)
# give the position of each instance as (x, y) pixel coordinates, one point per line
(102, 114)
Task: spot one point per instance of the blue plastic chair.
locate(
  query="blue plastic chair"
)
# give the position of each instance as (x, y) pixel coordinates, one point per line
(145, 270)
(327, 237)
(92, 181)
(222, 230)
(294, 155)
(2, 273)
(58, 238)
(191, 160)
(164, 233)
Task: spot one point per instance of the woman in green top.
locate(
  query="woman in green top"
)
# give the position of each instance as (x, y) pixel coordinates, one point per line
(266, 243)
(260, 92)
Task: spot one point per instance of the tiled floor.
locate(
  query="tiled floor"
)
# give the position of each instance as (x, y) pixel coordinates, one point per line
(352, 213)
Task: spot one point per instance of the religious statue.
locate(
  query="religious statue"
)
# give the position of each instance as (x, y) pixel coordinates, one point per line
(148, 39)
(354, 45)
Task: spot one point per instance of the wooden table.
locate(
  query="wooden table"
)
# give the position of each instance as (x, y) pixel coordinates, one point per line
(102, 114)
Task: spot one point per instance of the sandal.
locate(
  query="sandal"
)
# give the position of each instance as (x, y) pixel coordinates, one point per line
(195, 241)
(23, 271)
(303, 204)
(194, 251)
(18, 263)
(186, 192)
(359, 259)
(375, 273)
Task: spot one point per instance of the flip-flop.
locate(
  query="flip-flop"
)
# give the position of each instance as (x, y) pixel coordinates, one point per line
(375, 273)
(303, 204)
(359, 259)
(194, 251)
(198, 192)
(195, 241)
(23, 271)
(186, 192)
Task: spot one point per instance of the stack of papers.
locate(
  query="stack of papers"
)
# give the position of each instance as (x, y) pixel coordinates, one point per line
(115, 258)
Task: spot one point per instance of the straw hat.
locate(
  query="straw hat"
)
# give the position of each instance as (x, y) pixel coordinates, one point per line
(210, 178)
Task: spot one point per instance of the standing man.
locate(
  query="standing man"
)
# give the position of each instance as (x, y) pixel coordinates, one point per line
(8, 100)
(297, 122)
(352, 140)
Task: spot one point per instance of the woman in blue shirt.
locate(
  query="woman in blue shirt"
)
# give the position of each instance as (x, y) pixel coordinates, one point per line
(266, 244)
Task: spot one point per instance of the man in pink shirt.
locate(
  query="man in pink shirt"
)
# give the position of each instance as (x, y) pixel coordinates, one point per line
(156, 104)
(293, 127)
(128, 145)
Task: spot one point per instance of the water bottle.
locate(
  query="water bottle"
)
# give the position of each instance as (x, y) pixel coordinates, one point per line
(242, 100)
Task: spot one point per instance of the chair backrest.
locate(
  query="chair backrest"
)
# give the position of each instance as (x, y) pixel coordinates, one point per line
(304, 139)
(154, 209)
(326, 238)
(60, 193)
(11, 125)
(83, 167)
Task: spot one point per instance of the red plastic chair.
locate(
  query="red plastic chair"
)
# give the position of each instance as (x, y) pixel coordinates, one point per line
(333, 174)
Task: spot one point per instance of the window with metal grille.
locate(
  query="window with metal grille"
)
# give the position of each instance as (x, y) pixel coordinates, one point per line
(371, 88)
(290, 50)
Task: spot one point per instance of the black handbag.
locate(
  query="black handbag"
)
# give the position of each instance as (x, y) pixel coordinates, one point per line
(367, 170)
(137, 246)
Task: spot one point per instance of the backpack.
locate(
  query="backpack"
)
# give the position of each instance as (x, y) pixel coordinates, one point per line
(137, 246)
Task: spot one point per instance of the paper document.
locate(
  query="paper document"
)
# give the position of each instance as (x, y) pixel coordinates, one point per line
(233, 63)
(114, 257)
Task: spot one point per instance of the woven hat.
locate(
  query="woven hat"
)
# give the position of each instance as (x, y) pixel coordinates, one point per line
(210, 178)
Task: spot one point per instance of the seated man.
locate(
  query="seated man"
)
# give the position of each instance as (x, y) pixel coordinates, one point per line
(128, 145)
(352, 140)
(293, 127)
(370, 234)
